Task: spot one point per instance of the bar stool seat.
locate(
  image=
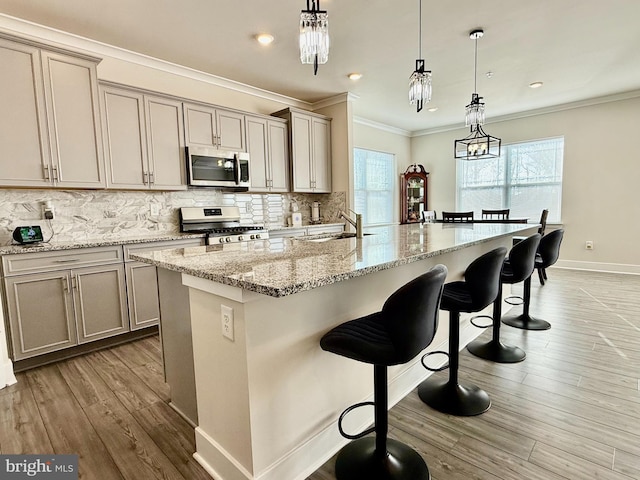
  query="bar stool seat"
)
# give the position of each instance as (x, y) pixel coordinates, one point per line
(479, 289)
(403, 328)
(518, 267)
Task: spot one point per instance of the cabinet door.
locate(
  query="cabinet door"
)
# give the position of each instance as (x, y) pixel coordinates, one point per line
(24, 150)
(258, 153)
(100, 301)
(200, 125)
(301, 150)
(125, 138)
(71, 94)
(278, 156)
(165, 141)
(142, 295)
(40, 308)
(230, 129)
(321, 155)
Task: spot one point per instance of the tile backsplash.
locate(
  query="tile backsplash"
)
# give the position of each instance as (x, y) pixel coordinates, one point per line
(93, 214)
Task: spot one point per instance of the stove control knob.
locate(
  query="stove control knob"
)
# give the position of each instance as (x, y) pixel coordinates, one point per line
(240, 238)
(221, 240)
(257, 236)
(252, 237)
(227, 239)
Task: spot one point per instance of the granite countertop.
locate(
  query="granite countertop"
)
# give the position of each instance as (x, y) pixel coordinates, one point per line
(284, 266)
(103, 241)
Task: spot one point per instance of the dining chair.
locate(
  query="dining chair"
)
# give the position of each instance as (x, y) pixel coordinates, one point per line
(457, 216)
(502, 214)
(428, 216)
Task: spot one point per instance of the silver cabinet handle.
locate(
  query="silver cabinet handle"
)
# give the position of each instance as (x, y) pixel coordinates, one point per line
(47, 176)
(74, 281)
(151, 178)
(65, 284)
(55, 173)
(68, 260)
(145, 177)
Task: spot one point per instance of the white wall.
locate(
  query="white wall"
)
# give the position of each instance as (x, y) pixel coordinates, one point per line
(600, 179)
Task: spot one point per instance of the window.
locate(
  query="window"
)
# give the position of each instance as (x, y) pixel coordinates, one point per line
(374, 186)
(526, 178)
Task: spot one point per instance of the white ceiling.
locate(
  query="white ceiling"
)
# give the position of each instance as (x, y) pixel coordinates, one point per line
(580, 49)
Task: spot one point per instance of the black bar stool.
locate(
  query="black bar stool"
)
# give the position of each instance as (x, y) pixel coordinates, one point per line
(479, 288)
(548, 253)
(518, 267)
(550, 245)
(405, 326)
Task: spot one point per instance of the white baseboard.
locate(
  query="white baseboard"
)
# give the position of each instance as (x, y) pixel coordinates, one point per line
(6, 374)
(598, 267)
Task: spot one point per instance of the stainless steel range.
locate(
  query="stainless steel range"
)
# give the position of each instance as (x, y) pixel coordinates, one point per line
(221, 224)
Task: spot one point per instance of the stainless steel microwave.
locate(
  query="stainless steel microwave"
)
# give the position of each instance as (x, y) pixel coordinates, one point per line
(209, 167)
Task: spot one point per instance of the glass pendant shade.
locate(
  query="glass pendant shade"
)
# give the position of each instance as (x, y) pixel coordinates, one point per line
(314, 35)
(475, 111)
(420, 86)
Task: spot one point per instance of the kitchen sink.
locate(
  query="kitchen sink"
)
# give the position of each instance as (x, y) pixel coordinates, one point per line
(326, 238)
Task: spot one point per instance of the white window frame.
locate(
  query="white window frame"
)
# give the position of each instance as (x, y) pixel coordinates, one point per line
(393, 182)
(506, 185)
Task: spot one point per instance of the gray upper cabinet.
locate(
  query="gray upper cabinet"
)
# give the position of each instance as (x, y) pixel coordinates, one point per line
(310, 141)
(50, 119)
(214, 127)
(144, 140)
(268, 150)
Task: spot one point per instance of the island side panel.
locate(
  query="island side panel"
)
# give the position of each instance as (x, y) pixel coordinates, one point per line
(282, 422)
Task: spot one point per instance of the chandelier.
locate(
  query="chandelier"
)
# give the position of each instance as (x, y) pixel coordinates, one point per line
(314, 35)
(420, 79)
(478, 144)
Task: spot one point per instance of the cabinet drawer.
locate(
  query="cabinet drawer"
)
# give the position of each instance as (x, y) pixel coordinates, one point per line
(21, 264)
(164, 245)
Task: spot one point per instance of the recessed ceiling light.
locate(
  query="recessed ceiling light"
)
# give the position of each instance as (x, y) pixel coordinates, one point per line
(264, 38)
(535, 85)
(355, 76)
(432, 109)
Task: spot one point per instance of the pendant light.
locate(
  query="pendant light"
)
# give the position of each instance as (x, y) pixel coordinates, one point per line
(478, 144)
(420, 79)
(314, 35)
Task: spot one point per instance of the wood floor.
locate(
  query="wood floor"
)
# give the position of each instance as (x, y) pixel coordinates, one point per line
(571, 410)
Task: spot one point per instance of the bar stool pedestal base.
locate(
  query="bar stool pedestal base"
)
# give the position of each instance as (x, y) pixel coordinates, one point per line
(526, 322)
(359, 460)
(496, 351)
(454, 398)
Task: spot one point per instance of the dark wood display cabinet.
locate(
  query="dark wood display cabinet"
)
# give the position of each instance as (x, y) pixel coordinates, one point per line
(413, 191)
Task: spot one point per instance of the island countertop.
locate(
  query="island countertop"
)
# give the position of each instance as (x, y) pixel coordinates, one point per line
(284, 266)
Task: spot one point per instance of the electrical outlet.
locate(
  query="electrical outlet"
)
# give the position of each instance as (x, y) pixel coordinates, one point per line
(47, 210)
(155, 209)
(226, 315)
(588, 245)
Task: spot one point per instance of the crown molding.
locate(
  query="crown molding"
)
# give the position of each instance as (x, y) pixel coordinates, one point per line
(336, 99)
(61, 39)
(616, 97)
(381, 126)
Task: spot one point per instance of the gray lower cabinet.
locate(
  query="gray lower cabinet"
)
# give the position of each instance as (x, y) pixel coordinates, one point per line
(55, 310)
(142, 293)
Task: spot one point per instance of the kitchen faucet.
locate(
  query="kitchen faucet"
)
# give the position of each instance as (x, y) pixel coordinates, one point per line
(357, 224)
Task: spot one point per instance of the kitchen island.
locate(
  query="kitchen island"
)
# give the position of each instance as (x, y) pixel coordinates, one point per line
(268, 397)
